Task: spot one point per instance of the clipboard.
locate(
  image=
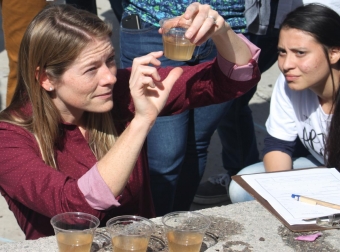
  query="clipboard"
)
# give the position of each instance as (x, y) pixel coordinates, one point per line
(295, 228)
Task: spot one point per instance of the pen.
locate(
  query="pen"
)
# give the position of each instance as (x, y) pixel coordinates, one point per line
(331, 217)
(315, 201)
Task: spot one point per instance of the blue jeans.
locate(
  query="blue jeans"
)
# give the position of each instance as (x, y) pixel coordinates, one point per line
(238, 194)
(237, 124)
(177, 145)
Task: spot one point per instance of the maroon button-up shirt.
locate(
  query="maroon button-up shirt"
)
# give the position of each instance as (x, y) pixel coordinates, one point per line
(35, 192)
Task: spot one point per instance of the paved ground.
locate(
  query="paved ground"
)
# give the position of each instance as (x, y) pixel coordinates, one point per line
(9, 230)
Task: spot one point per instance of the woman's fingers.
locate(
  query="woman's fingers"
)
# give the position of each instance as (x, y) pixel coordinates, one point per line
(142, 72)
(146, 78)
(205, 23)
(201, 21)
(191, 11)
(145, 75)
(171, 22)
(172, 77)
(151, 58)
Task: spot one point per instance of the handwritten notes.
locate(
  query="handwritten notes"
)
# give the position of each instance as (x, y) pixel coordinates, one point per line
(317, 183)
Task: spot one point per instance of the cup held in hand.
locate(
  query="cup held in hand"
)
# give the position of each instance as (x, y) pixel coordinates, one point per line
(176, 46)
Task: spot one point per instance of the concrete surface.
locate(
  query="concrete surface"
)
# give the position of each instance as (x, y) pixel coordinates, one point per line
(9, 230)
(236, 227)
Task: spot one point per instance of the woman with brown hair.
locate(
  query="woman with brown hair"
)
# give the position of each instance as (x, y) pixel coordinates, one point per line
(72, 138)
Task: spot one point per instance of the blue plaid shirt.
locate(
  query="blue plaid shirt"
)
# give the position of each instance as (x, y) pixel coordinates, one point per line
(152, 11)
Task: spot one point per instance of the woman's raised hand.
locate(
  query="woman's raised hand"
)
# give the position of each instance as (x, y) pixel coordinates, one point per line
(148, 91)
(202, 22)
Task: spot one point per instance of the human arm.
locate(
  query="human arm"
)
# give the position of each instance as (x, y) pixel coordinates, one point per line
(277, 154)
(26, 179)
(234, 78)
(279, 144)
(116, 166)
(211, 82)
(154, 91)
(277, 161)
(200, 19)
(35, 191)
(204, 84)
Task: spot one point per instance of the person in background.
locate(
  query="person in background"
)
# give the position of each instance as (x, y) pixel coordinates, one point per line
(260, 17)
(16, 16)
(73, 137)
(216, 188)
(89, 5)
(177, 166)
(117, 7)
(305, 100)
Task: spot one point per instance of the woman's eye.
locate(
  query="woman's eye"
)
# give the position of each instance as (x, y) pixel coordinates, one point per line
(111, 59)
(91, 69)
(281, 52)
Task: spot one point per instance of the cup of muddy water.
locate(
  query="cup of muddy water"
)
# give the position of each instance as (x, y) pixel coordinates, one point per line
(176, 45)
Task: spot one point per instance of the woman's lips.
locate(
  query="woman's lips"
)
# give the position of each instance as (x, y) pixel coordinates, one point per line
(105, 96)
(291, 77)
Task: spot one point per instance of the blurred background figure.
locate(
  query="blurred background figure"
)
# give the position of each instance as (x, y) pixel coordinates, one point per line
(177, 145)
(16, 16)
(89, 5)
(236, 129)
(117, 7)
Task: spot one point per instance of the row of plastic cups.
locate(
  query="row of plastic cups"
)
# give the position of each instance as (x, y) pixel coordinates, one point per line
(75, 231)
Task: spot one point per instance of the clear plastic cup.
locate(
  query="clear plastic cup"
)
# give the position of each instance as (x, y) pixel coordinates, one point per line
(185, 230)
(176, 46)
(130, 233)
(74, 231)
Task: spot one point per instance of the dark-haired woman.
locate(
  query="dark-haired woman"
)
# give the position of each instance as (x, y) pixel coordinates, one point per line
(304, 104)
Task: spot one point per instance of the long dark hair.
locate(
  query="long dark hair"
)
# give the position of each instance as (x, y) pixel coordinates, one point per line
(323, 24)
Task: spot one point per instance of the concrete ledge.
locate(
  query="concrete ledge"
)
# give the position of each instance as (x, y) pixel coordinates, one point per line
(237, 227)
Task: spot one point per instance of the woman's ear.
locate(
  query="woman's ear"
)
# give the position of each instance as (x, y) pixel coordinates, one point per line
(334, 55)
(44, 81)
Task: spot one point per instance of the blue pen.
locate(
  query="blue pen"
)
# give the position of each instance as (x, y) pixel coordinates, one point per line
(314, 201)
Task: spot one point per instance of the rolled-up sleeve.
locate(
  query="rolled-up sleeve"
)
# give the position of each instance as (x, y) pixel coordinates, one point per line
(240, 73)
(96, 192)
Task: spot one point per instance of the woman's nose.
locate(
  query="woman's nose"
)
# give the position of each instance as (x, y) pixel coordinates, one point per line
(287, 62)
(109, 75)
